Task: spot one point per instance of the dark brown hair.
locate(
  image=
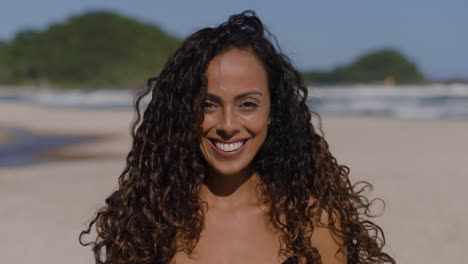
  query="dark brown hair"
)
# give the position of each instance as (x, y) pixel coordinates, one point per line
(157, 202)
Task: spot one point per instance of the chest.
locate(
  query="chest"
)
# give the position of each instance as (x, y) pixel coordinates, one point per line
(235, 237)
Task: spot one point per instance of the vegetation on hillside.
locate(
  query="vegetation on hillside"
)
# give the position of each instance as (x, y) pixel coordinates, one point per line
(5, 74)
(385, 65)
(97, 49)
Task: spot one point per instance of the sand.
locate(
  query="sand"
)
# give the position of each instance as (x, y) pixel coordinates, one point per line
(417, 167)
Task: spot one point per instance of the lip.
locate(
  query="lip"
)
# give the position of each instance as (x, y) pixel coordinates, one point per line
(228, 141)
(229, 154)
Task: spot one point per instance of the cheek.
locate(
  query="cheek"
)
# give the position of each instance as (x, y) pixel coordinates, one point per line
(209, 122)
(259, 128)
(258, 123)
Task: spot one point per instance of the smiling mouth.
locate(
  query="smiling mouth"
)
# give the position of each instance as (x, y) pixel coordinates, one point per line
(228, 147)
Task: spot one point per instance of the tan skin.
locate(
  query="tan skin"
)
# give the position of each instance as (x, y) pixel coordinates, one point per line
(237, 110)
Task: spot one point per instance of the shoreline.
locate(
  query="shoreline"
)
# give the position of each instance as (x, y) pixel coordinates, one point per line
(30, 148)
(96, 144)
(6, 137)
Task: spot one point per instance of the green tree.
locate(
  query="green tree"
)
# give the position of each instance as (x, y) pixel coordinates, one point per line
(372, 67)
(6, 70)
(96, 49)
(379, 65)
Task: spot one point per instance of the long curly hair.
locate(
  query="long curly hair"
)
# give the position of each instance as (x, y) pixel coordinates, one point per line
(157, 202)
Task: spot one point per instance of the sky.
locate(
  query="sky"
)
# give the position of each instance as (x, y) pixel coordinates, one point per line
(315, 34)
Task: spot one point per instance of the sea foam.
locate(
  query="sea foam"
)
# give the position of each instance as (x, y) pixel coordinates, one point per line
(433, 101)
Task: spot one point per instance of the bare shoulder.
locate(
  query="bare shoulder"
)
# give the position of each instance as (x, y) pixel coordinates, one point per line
(327, 242)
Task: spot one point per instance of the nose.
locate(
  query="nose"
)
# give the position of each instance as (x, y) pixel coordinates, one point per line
(228, 124)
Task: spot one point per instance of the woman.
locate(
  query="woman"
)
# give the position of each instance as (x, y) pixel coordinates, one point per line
(226, 166)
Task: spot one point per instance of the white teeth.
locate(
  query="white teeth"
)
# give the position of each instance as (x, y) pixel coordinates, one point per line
(229, 147)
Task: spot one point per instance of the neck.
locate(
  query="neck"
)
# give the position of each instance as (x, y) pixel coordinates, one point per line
(231, 191)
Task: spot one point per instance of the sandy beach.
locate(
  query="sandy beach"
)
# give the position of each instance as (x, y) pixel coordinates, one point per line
(417, 167)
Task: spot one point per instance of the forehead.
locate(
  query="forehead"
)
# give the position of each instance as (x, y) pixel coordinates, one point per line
(236, 71)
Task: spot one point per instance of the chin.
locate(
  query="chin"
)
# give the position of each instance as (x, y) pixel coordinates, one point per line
(229, 170)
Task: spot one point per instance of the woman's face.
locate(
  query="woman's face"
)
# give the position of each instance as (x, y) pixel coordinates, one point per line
(237, 109)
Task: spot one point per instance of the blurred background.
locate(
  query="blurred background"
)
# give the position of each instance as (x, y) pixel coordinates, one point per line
(389, 79)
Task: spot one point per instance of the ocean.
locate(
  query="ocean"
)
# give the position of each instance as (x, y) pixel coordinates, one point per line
(418, 102)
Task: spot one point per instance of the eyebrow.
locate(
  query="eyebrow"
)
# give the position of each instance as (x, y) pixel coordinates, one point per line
(217, 98)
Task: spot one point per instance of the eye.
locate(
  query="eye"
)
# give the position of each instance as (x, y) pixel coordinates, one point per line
(209, 106)
(250, 106)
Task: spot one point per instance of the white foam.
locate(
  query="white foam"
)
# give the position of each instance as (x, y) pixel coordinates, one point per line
(430, 101)
(79, 98)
